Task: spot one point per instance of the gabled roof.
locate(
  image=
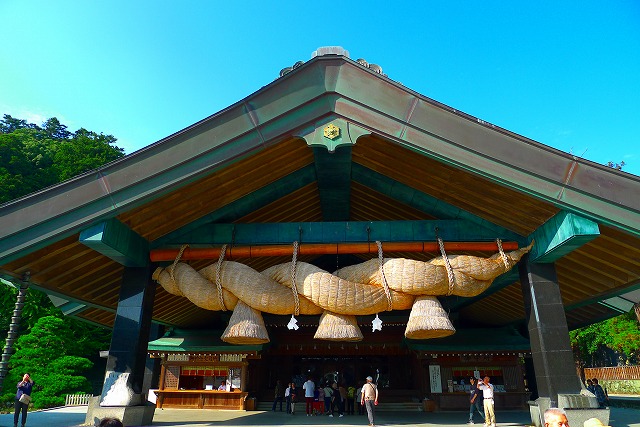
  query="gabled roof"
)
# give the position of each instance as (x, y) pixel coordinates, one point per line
(397, 156)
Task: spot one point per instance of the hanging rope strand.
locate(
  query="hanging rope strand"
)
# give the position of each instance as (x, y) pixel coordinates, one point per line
(294, 287)
(383, 277)
(447, 264)
(223, 251)
(505, 258)
(175, 261)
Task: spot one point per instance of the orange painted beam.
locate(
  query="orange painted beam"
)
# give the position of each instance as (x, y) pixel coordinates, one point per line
(324, 249)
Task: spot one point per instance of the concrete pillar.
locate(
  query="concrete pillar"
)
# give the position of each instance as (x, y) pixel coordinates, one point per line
(124, 378)
(128, 350)
(550, 347)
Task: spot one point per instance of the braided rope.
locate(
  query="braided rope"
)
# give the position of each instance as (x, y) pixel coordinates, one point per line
(383, 277)
(505, 259)
(294, 287)
(175, 261)
(447, 264)
(223, 251)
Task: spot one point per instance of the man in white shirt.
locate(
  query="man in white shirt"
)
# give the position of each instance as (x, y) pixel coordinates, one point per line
(487, 394)
(309, 388)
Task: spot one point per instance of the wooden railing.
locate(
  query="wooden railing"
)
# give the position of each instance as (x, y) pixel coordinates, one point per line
(613, 373)
(77, 399)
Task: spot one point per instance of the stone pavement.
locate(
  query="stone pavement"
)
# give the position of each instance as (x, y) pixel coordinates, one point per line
(74, 416)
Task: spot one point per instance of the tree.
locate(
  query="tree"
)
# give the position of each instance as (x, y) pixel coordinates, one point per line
(45, 354)
(36, 305)
(34, 157)
(609, 343)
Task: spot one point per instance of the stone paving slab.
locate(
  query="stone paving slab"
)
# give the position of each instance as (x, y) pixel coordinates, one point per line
(74, 416)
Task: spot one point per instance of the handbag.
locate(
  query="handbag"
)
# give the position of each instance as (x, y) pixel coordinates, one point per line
(25, 398)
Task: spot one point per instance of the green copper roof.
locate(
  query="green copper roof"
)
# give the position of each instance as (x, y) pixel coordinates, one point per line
(180, 340)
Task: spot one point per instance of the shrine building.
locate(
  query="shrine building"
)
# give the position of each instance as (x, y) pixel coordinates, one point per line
(333, 224)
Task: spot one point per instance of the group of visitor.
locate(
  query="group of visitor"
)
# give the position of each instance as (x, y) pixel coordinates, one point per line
(334, 396)
(328, 398)
(601, 394)
(482, 391)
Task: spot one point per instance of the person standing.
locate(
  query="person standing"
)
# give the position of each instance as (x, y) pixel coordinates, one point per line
(328, 394)
(343, 399)
(590, 386)
(336, 400)
(287, 397)
(370, 399)
(358, 399)
(475, 399)
(23, 398)
(294, 398)
(309, 393)
(601, 396)
(487, 395)
(278, 396)
(351, 395)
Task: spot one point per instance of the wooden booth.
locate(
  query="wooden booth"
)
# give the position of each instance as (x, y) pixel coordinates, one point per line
(199, 371)
(450, 363)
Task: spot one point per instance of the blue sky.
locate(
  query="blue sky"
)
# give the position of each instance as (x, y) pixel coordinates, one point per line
(566, 74)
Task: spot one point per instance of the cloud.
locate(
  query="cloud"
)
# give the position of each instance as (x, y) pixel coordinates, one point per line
(34, 116)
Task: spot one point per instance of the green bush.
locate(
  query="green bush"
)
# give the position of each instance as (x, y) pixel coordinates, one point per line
(43, 352)
(621, 386)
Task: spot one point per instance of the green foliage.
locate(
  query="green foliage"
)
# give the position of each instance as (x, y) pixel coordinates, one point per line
(608, 343)
(621, 386)
(36, 305)
(45, 354)
(34, 157)
(51, 347)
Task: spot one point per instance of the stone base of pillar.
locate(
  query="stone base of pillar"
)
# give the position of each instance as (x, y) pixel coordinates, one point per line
(140, 415)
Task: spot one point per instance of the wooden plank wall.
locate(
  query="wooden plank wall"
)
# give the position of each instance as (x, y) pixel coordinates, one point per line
(613, 373)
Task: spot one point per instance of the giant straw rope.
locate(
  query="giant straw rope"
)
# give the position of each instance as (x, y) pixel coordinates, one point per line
(368, 288)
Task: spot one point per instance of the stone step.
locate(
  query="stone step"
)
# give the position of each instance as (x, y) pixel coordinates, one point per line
(384, 407)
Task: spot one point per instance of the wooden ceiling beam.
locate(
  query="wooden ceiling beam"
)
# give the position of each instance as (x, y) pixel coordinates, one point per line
(233, 252)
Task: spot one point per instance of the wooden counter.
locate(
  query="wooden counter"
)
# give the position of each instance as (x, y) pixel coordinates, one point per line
(459, 401)
(201, 399)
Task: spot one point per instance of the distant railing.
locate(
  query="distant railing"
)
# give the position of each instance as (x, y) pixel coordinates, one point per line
(613, 373)
(77, 399)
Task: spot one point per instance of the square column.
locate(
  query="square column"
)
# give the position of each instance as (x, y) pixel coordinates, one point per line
(548, 332)
(128, 350)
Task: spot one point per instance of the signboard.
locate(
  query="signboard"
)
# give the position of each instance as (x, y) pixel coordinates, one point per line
(435, 380)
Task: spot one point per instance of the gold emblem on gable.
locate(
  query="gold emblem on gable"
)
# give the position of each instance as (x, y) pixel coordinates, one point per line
(331, 132)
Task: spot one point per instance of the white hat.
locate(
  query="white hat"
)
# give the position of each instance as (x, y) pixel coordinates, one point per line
(369, 378)
(594, 422)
